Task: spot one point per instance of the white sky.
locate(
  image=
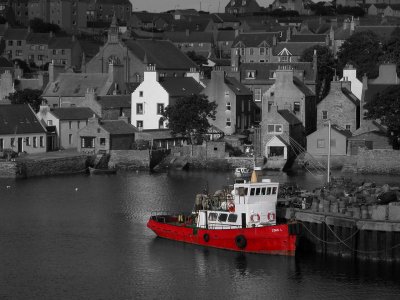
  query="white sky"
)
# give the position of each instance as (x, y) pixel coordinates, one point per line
(206, 5)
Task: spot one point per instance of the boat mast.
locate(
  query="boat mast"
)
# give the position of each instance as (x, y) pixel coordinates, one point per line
(329, 152)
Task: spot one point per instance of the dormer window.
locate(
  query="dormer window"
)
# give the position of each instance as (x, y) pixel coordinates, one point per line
(250, 74)
(284, 59)
(232, 2)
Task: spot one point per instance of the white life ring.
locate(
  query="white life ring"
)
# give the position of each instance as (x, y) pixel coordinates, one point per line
(255, 218)
(271, 216)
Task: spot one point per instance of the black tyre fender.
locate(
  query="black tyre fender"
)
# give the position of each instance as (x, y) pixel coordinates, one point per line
(206, 237)
(241, 241)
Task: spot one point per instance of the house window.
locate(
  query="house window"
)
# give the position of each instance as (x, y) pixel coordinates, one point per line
(270, 103)
(320, 143)
(41, 142)
(228, 106)
(49, 122)
(10, 43)
(227, 93)
(262, 51)
(18, 53)
(70, 139)
(251, 74)
(348, 127)
(12, 142)
(27, 141)
(324, 115)
(228, 121)
(251, 51)
(161, 123)
(62, 51)
(19, 43)
(257, 94)
(140, 93)
(34, 142)
(54, 52)
(139, 108)
(284, 59)
(139, 124)
(296, 107)
(87, 142)
(1, 144)
(70, 124)
(333, 143)
(274, 128)
(40, 57)
(102, 141)
(41, 47)
(241, 51)
(160, 108)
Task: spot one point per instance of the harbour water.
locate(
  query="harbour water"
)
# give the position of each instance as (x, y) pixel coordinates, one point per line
(85, 237)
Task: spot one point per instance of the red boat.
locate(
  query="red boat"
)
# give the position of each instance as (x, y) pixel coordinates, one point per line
(241, 218)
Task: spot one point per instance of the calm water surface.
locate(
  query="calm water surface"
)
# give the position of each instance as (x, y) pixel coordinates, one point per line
(85, 237)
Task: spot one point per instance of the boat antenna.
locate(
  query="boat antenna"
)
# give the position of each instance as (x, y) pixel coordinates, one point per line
(329, 152)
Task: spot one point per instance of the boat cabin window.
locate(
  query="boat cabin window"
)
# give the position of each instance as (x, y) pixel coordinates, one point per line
(274, 190)
(241, 191)
(263, 190)
(222, 217)
(269, 191)
(258, 190)
(212, 217)
(252, 192)
(232, 218)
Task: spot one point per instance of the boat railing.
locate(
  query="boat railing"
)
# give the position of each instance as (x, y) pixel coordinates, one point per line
(220, 226)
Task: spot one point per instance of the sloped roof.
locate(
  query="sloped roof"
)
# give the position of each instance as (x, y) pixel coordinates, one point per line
(224, 17)
(226, 35)
(16, 34)
(302, 87)
(195, 36)
(342, 34)
(72, 113)
(193, 23)
(115, 101)
(289, 117)
(254, 39)
(341, 130)
(237, 87)
(38, 38)
(308, 38)
(163, 54)
(76, 84)
(395, 6)
(296, 49)
(351, 96)
(263, 70)
(19, 119)
(240, 3)
(156, 134)
(180, 86)
(369, 126)
(147, 17)
(115, 127)
(64, 42)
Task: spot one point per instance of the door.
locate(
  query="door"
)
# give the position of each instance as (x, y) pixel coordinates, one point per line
(20, 147)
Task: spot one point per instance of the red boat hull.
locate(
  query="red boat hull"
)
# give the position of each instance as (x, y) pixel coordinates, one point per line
(265, 240)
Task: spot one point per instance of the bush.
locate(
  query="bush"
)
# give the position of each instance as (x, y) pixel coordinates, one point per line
(8, 153)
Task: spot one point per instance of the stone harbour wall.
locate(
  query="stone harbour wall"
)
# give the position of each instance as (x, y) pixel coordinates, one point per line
(129, 159)
(8, 169)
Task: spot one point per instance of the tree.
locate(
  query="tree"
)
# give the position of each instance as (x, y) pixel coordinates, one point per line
(37, 25)
(391, 49)
(326, 67)
(385, 106)
(28, 96)
(189, 116)
(362, 50)
(200, 61)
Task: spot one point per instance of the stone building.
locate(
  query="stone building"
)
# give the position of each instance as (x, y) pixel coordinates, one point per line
(100, 136)
(135, 55)
(67, 121)
(108, 107)
(288, 92)
(21, 130)
(340, 106)
(235, 111)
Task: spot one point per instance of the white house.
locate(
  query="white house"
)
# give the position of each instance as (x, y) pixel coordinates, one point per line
(154, 94)
(350, 74)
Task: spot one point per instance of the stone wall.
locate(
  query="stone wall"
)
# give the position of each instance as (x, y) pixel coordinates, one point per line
(130, 159)
(8, 169)
(53, 166)
(379, 161)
